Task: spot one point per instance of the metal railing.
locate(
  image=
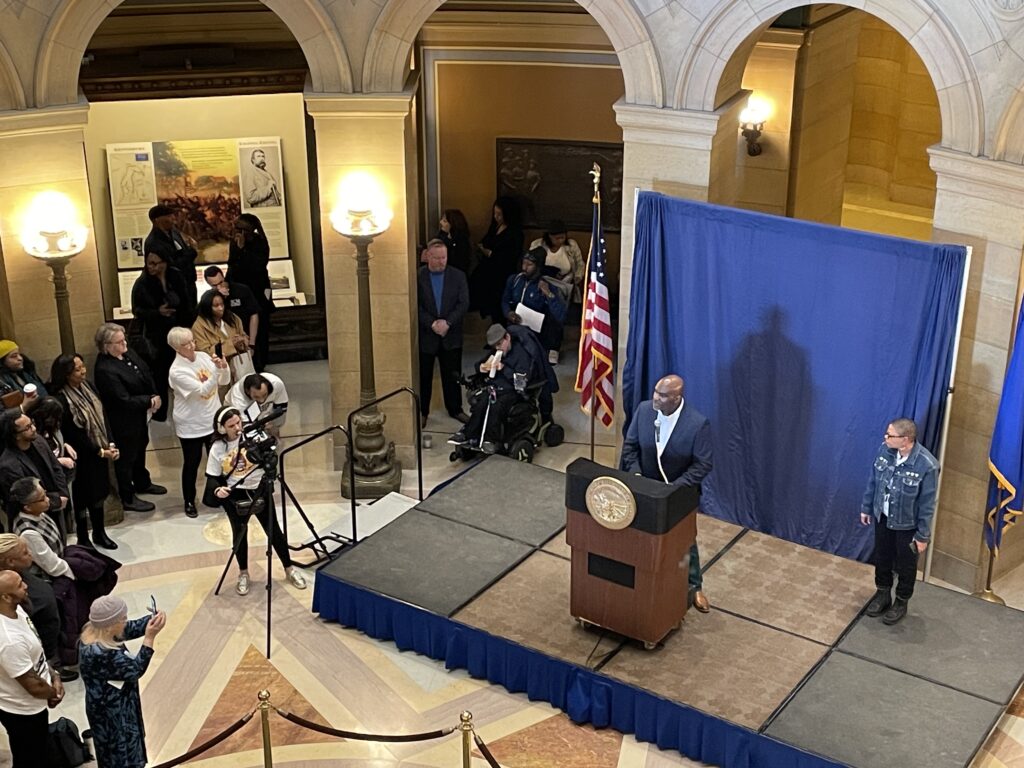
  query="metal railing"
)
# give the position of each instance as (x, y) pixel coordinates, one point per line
(351, 447)
(319, 544)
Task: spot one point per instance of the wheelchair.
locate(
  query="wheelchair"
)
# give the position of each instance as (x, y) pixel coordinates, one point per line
(523, 430)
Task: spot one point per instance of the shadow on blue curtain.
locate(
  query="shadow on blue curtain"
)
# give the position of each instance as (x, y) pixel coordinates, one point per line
(801, 342)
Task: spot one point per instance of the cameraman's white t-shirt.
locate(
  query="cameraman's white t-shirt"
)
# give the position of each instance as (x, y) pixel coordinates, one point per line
(225, 460)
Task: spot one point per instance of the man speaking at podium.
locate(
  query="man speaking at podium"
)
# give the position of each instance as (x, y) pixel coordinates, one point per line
(670, 440)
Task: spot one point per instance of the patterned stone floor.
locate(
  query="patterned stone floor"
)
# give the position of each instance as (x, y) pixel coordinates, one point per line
(209, 661)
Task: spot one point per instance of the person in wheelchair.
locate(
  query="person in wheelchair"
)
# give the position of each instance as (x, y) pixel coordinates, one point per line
(516, 371)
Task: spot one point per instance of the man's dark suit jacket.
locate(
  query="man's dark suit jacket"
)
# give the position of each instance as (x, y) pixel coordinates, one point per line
(15, 464)
(454, 303)
(687, 457)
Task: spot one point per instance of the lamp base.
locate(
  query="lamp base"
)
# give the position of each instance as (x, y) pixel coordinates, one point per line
(374, 486)
(377, 472)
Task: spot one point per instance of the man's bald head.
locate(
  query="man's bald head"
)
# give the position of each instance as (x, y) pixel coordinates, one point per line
(668, 394)
(13, 592)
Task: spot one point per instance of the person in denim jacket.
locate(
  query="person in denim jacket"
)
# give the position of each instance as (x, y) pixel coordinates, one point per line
(900, 500)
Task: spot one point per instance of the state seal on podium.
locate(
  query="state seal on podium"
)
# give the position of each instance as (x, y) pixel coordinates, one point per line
(611, 503)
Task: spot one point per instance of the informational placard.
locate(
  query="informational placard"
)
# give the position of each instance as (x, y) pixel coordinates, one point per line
(208, 183)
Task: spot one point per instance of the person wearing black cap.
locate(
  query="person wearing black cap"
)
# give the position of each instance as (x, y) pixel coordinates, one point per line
(178, 250)
(511, 373)
(531, 289)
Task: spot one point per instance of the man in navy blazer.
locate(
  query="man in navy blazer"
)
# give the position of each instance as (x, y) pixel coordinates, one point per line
(670, 440)
(443, 296)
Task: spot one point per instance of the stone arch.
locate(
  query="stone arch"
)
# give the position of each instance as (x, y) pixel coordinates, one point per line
(940, 44)
(12, 94)
(1009, 138)
(385, 66)
(74, 22)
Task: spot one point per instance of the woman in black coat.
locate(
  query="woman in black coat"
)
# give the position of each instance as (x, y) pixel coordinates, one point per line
(160, 301)
(84, 427)
(128, 394)
(248, 256)
(501, 253)
(454, 231)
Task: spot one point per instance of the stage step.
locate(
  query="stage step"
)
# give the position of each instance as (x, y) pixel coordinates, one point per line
(371, 516)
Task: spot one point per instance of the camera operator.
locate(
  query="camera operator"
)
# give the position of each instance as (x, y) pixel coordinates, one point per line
(238, 479)
(267, 391)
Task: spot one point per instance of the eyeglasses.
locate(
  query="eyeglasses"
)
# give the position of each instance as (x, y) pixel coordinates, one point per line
(888, 435)
(40, 500)
(30, 428)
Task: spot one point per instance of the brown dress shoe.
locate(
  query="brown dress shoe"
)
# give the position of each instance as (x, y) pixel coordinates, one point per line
(701, 602)
(423, 421)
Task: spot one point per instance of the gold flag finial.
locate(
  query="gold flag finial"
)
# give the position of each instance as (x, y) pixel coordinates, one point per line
(596, 173)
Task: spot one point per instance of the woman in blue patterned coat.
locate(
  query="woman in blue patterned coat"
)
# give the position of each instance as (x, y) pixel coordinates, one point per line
(111, 676)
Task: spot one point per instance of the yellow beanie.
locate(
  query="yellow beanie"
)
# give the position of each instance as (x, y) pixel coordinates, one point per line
(6, 347)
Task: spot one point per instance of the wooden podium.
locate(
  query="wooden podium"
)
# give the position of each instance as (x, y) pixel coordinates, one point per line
(633, 579)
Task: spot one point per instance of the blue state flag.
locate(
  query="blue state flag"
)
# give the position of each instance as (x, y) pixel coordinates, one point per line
(1006, 456)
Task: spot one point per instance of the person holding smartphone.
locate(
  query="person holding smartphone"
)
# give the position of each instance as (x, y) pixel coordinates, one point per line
(111, 675)
(195, 378)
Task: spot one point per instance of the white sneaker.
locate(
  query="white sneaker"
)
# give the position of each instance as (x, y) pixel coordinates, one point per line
(297, 579)
(242, 586)
(553, 357)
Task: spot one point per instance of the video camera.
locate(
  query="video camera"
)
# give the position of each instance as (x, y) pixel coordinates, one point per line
(260, 446)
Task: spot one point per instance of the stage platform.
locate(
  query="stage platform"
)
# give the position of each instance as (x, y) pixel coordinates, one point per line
(784, 671)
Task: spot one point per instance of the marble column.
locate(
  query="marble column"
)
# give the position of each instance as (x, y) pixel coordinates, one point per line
(373, 133)
(684, 153)
(40, 150)
(978, 203)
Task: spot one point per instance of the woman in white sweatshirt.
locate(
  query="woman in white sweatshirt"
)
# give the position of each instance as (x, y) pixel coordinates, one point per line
(194, 378)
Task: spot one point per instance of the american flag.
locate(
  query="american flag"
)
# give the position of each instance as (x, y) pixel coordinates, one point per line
(596, 332)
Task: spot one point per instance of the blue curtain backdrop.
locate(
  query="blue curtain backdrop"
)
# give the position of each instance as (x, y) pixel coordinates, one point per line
(800, 342)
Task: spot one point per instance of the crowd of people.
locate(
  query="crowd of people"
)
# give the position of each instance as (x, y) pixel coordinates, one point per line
(70, 442)
(531, 292)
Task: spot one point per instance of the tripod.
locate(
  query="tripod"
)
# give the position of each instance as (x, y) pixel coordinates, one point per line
(265, 495)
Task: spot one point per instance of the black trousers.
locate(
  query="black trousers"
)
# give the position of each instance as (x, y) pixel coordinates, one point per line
(261, 346)
(551, 333)
(450, 361)
(29, 736)
(240, 530)
(44, 612)
(892, 553)
(192, 453)
(503, 401)
(130, 468)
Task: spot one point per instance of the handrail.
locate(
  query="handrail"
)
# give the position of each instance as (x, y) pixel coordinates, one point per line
(318, 540)
(351, 447)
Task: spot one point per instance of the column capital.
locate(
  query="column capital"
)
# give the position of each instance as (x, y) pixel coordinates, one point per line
(379, 105)
(26, 122)
(683, 128)
(994, 180)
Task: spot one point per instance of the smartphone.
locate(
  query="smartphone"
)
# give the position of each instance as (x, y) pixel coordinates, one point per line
(152, 605)
(218, 349)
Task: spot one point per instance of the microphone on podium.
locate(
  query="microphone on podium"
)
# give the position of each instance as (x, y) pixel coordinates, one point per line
(657, 428)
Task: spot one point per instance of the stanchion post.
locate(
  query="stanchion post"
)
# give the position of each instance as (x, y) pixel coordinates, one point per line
(466, 726)
(268, 755)
(987, 594)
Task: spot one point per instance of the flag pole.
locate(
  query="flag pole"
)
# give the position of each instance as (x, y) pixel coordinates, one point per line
(987, 594)
(596, 200)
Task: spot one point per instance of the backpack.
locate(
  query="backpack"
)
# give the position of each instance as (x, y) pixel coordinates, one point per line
(66, 748)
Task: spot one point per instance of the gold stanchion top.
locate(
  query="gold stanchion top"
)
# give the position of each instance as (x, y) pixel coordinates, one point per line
(465, 718)
(264, 695)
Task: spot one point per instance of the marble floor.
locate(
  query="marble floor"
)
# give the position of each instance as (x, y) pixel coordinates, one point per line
(210, 659)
